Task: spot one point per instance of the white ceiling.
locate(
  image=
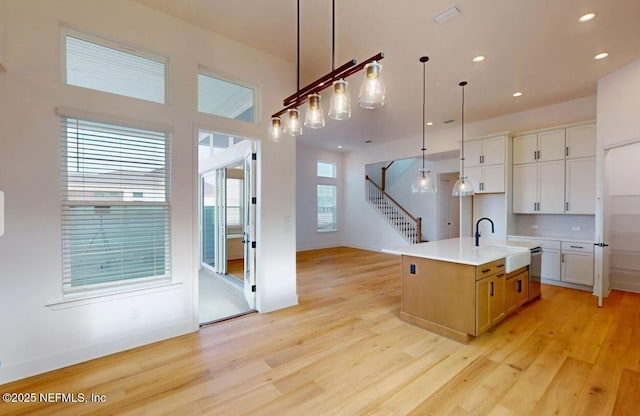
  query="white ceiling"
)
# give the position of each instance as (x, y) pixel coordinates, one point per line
(534, 46)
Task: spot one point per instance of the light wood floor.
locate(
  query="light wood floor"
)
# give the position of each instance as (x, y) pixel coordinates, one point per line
(235, 269)
(343, 351)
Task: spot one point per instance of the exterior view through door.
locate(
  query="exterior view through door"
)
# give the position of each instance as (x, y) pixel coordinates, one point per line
(227, 226)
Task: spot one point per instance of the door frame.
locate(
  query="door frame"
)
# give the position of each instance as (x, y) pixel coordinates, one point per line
(233, 155)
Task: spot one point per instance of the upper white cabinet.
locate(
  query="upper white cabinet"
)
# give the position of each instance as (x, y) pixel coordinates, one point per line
(554, 171)
(483, 152)
(581, 186)
(485, 163)
(581, 141)
(539, 147)
(536, 189)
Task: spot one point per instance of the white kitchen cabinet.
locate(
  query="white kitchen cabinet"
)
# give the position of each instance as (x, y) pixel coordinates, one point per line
(486, 179)
(539, 147)
(550, 261)
(483, 152)
(485, 164)
(581, 186)
(550, 264)
(538, 188)
(581, 141)
(577, 263)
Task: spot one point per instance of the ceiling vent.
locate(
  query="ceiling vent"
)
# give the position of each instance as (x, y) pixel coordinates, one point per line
(447, 15)
(448, 121)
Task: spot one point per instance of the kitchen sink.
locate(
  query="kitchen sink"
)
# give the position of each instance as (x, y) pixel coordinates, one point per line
(515, 257)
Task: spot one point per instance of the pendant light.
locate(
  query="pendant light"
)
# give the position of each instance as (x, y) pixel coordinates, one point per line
(372, 90)
(340, 104)
(463, 186)
(423, 181)
(292, 125)
(275, 131)
(314, 119)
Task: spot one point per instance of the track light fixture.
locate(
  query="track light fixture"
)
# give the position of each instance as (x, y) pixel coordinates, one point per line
(372, 92)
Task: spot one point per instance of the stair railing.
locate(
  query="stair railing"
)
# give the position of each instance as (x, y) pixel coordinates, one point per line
(406, 224)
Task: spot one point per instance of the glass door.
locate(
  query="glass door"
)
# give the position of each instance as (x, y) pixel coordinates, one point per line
(250, 227)
(209, 220)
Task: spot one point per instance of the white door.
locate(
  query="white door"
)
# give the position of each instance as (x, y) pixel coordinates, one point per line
(250, 227)
(221, 221)
(617, 219)
(448, 208)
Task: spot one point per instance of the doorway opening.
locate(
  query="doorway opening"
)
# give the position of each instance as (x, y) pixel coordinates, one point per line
(227, 212)
(448, 207)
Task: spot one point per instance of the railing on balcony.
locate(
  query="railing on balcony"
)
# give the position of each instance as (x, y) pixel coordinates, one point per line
(406, 224)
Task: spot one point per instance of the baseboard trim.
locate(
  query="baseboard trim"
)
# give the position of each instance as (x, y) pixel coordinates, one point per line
(67, 358)
(278, 303)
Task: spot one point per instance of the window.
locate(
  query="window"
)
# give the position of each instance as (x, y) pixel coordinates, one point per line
(106, 240)
(106, 66)
(225, 99)
(327, 207)
(235, 203)
(326, 169)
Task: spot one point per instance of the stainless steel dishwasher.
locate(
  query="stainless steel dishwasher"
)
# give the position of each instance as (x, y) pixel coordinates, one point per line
(534, 273)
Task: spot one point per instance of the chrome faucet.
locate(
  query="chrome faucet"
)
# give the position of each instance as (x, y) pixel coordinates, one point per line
(478, 233)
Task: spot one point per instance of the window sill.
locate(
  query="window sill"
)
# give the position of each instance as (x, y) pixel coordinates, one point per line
(106, 295)
(327, 231)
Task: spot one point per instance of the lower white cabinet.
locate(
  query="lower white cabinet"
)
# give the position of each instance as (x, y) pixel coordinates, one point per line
(577, 263)
(564, 261)
(550, 264)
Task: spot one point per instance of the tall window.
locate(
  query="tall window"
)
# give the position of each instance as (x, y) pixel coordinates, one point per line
(115, 205)
(327, 208)
(225, 99)
(107, 66)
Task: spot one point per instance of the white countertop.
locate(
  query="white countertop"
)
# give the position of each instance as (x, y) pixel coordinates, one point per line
(558, 238)
(463, 250)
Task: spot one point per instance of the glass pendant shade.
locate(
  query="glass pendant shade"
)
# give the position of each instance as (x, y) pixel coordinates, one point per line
(275, 130)
(340, 104)
(462, 187)
(372, 90)
(314, 118)
(292, 125)
(423, 183)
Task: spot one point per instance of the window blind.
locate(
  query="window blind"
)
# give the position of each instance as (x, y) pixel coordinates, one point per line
(115, 205)
(102, 66)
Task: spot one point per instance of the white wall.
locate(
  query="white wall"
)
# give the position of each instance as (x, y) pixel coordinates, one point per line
(618, 103)
(38, 338)
(308, 238)
(366, 229)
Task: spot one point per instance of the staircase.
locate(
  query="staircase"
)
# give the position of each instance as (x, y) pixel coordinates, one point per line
(406, 224)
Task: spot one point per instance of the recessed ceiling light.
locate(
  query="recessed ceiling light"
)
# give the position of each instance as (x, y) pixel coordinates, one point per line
(429, 123)
(586, 17)
(517, 94)
(339, 147)
(478, 58)
(601, 55)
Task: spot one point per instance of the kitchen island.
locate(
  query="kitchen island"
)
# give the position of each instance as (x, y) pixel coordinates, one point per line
(458, 290)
